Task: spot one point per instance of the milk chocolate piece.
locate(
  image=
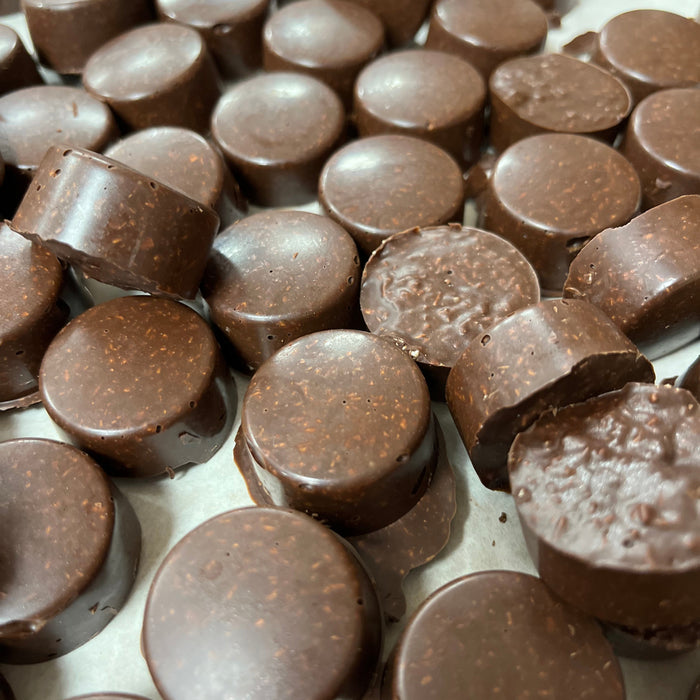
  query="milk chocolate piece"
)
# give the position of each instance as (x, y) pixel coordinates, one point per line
(662, 141)
(690, 379)
(646, 276)
(487, 33)
(185, 161)
(159, 74)
(69, 550)
(231, 30)
(429, 94)
(607, 494)
(5, 690)
(554, 92)
(139, 382)
(501, 633)
(17, 69)
(543, 357)
(277, 276)
(650, 50)
(262, 602)
(328, 39)
(431, 290)
(277, 131)
(549, 194)
(116, 224)
(401, 19)
(380, 185)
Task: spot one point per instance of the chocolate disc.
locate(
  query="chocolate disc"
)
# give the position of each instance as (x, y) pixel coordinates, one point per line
(690, 379)
(401, 19)
(17, 69)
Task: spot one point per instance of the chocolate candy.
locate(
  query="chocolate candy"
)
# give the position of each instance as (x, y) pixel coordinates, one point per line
(550, 193)
(545, 356)
(231, 30)
(116, 224)
(554, 92)
(108, 696)
(17, 69)
(607, 494)
(8, 6)
(262, 602)
(431, 290)
(401, 20)
(690, 379)
(501, 633)
(185, 161)
(71, 542)
(328, 39)
(276, 276)
(695, 691)
(65, 34)
(139, 382)
(380, 185)
(428, 94)
(646, 276)
(650, 50)
(276, 132)
(159, 74)
(662, 142)
(5, 690)
(487, 33)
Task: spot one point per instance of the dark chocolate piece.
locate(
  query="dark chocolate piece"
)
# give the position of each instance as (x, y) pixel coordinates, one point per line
(116, 224)
(69, 550)
(277, 131)
(429, 94)
(690, 379)
(328, 39)
(662, 142)
(159, 74)
(139, 382)
(646, 276)
(262, 602)
(277, 276)
(17, 69)
(5, 690)
(431, 290)
(487, 33)
(380, 185)
(607, 493)
(695, 691)
(554, 92)
(401, 19)
(543, 357)
(501, 634)
(549, 194)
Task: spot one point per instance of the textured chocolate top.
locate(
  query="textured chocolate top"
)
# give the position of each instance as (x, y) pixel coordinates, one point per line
(209, 13)
(501, 634)
(690, 379)
(377, 186)
(57, 520)
(17, 67)
(261, 602)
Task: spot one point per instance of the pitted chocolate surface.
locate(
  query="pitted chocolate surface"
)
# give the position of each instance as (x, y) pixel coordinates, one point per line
(17, 69)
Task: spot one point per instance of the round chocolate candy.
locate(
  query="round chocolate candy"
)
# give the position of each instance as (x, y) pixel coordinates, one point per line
(276, 276)
(549, 194)
(690, 379)
(159, 74)
(401, 19)
(554, 92)
(328, 39)
(66, 34)
(231, 30)
(650, 50)
(607, 494)
(72, 543)
(380, 185)
(501, 634)
(646, 276)
(17, 69)
(116, 224)
(140, 383)
(487, 33)
(540, 358)
(185, 161)
(429, 94)
(277, 131)
(5, 690)
(262, 602)
(431, 290)
(662, 142)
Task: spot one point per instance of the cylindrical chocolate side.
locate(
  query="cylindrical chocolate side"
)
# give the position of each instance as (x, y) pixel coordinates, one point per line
(401, 19)
(690, 379)
(17, 69)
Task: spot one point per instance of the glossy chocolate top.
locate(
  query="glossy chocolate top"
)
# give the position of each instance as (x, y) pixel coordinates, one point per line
(209, 13)
(690, 379)
(58, 516)
(501, 633)
(261, 602)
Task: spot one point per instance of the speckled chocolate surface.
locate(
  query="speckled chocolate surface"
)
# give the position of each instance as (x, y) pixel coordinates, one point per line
(401, 20)
(17, 69)
(262, 602)
(540, 358)
(276, 276)
(690, 379)
(646, 276)
(485, 632)
(140, 382)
